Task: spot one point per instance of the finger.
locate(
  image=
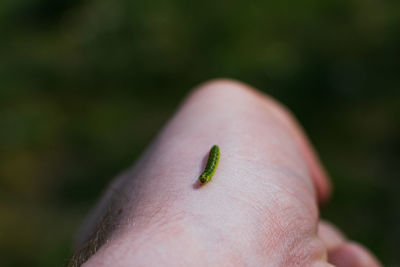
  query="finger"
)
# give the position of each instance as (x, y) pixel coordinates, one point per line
(341, 252)
(330, 235)
(351, 254)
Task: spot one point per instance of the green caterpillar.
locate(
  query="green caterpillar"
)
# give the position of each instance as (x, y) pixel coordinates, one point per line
(211, 166)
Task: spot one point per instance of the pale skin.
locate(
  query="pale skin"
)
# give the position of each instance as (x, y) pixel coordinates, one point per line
(259, 209)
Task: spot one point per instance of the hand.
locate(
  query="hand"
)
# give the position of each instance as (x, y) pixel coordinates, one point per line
(259, 209)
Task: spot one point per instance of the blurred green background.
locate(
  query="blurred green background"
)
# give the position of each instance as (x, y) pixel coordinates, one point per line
(86, 85)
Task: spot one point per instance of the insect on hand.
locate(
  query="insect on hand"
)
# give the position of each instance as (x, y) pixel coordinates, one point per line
(211, 165)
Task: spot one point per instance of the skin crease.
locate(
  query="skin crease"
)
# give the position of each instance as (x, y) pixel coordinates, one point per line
(259, 209)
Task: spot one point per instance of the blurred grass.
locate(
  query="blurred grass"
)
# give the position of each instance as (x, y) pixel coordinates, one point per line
(85, 85)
